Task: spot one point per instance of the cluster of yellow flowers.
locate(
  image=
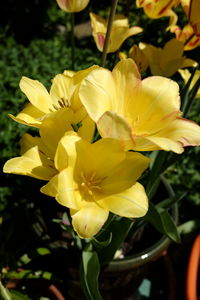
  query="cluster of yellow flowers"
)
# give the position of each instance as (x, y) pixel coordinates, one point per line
(93, 176)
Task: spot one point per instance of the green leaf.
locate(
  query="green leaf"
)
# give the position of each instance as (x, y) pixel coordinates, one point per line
(18, 296)
(43, 251)
(119, 227)
(104, 243)
(163, 222)
(29, 274)
(4, 293)
(89, 272)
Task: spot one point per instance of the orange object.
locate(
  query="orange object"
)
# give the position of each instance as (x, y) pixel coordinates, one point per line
(192, 270)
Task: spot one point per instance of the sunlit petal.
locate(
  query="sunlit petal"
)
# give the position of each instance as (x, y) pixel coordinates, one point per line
(89, 220)
(130, 203)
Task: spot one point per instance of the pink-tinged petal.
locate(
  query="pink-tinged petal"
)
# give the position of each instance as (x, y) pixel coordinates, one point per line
(89, 219)
(114, 126)
(131, 203)
(178, 134)
(100, 41)
(148, 111)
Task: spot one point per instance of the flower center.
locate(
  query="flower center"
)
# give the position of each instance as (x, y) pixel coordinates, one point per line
(89, 186)
(63, 102)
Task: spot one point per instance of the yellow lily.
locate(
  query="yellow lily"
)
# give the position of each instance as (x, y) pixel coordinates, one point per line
(63, 97)
(143, 114)
(72, 5)
(166, 61)
(95, 179)
(157, 9)
(185, 74)
(120, 31)
(184, 34)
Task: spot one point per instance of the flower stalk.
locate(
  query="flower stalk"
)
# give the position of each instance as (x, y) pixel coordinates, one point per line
(109, 29)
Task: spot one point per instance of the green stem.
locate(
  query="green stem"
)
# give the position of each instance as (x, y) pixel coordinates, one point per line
(108, 32)
(72, 41)
(189, 39)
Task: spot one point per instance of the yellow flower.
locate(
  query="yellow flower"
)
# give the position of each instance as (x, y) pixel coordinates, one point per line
(184, 34)
(166, 61)
(144, 115)
(94, 179)
(35, 160)
(192, 10)
(37, 153)
(157, 9)
(120, 31)
(63, 97)
(185, 74)
(72, 5)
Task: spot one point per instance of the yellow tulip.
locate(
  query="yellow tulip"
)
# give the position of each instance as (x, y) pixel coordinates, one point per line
(72, 5)
(143, 114)
(35, 160)
(161, 8)
(37, 153)
(166, 61)
(63, 97)
(185, 74)
(120, 31)
(95, 179)
(184, 34)
(192, 10)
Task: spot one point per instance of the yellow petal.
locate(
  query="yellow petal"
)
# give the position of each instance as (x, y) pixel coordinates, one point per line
(60, 90)
(63, 188)
(33, 162)
(188, 63)
(125, 174)
(89, 220)
(86, 131)
(30, 116)
(97, 92)
(148, 111)
(66, 151)
(72, 5)
(103, 149)
(54, 126)
(120, 34)
(114, 126)
(194, 16)
(126, 77)
(36, 93)
(178, 134)
(131, 203)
